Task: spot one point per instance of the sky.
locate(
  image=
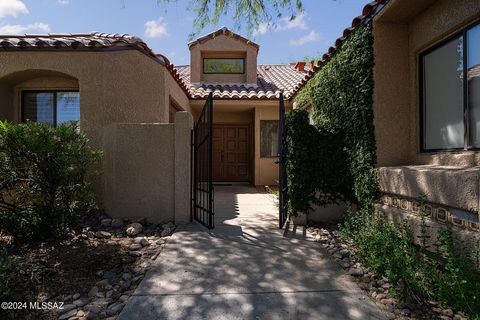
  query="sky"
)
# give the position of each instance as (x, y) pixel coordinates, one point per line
(165, 28)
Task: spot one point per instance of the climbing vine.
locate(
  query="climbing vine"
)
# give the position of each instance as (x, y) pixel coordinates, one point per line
(309, 181)
(341, 97)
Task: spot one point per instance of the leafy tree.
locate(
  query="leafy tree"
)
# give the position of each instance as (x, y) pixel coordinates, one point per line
(245, 13)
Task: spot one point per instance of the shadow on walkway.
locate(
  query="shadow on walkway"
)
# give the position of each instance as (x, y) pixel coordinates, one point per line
(246, 269)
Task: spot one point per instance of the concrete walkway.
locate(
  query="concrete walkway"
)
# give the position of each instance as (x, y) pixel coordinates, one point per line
(246, 269)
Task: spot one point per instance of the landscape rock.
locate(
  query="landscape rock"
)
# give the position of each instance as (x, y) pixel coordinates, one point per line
(109, 275)
(447, 312)
(106, 222)
(135, 253)
(102, 283)
(364, 286)
(67, 307)
(116, 223)
(68, 314)
(387, 301)
(345, 263)
(93, 292)
(102, 234)
(166, 232)
(76, 296)
(135, 246)
(356, 272)
(81, 302)
(134, 228)
(115, 308)
(405, 312)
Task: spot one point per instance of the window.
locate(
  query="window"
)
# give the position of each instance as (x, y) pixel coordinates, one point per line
(224, 65)
(451, 93)
(268, 138)
(51, 107)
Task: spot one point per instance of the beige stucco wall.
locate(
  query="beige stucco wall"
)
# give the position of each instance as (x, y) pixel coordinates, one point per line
(401, 32)
(174, 91)
(266, 170)
(183, 127)
(115, 87)
(391, 101)
(221, 46)
(147, 170)
(452, 186)
(121, 86)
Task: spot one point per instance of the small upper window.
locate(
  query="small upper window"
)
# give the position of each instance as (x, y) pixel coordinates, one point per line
(51, 107)
(224, 65)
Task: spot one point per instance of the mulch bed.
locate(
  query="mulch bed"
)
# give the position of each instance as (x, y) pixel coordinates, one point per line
(56, 269)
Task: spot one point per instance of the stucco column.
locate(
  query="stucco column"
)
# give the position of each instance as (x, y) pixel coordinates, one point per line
(183, 127)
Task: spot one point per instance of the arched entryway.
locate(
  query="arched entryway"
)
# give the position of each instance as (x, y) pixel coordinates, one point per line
(38, 95)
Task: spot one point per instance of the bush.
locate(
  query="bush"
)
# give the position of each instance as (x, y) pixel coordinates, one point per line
(449, 275)
(44, 178)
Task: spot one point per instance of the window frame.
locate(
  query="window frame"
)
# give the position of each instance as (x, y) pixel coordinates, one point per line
(22, 100)
(260, 137)
(224, 58)
(466, 109)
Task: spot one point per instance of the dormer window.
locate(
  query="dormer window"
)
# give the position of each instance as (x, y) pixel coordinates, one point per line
(223, 57)
(223, 65)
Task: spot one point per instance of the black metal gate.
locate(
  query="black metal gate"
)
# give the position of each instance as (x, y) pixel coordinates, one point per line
(202, 187)
(282, 161)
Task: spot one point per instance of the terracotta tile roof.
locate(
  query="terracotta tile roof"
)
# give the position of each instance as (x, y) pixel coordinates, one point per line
(224, 31)
(86, 41)
(368, 12)
(271, 81)
(94, 40)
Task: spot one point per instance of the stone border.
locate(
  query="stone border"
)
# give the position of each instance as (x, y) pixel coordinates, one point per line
(377, 288)
(434, 212)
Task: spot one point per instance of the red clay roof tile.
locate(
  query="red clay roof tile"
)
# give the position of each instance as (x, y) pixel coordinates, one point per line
(271, 81)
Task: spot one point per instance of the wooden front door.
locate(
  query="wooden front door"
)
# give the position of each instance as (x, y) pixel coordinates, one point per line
(231, 152)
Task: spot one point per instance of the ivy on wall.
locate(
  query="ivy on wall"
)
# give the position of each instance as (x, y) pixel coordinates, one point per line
(309, 179)
(341, 95)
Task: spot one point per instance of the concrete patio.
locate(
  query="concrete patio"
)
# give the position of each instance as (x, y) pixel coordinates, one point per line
(246, 269)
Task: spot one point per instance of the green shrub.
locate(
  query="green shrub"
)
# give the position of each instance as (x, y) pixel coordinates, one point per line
(449, 275)
(341, 94)
(44, 178)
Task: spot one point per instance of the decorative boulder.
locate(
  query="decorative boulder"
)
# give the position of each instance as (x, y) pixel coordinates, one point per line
(134, 228)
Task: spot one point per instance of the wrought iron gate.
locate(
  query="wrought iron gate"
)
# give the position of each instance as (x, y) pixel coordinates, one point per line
(202, 187)
(282, 161)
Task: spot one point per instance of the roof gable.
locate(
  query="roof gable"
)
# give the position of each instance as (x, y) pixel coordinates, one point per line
(226, 32)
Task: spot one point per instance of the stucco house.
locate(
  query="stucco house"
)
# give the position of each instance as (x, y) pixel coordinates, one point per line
(128, 98)
(137, 107)
(426, 108)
